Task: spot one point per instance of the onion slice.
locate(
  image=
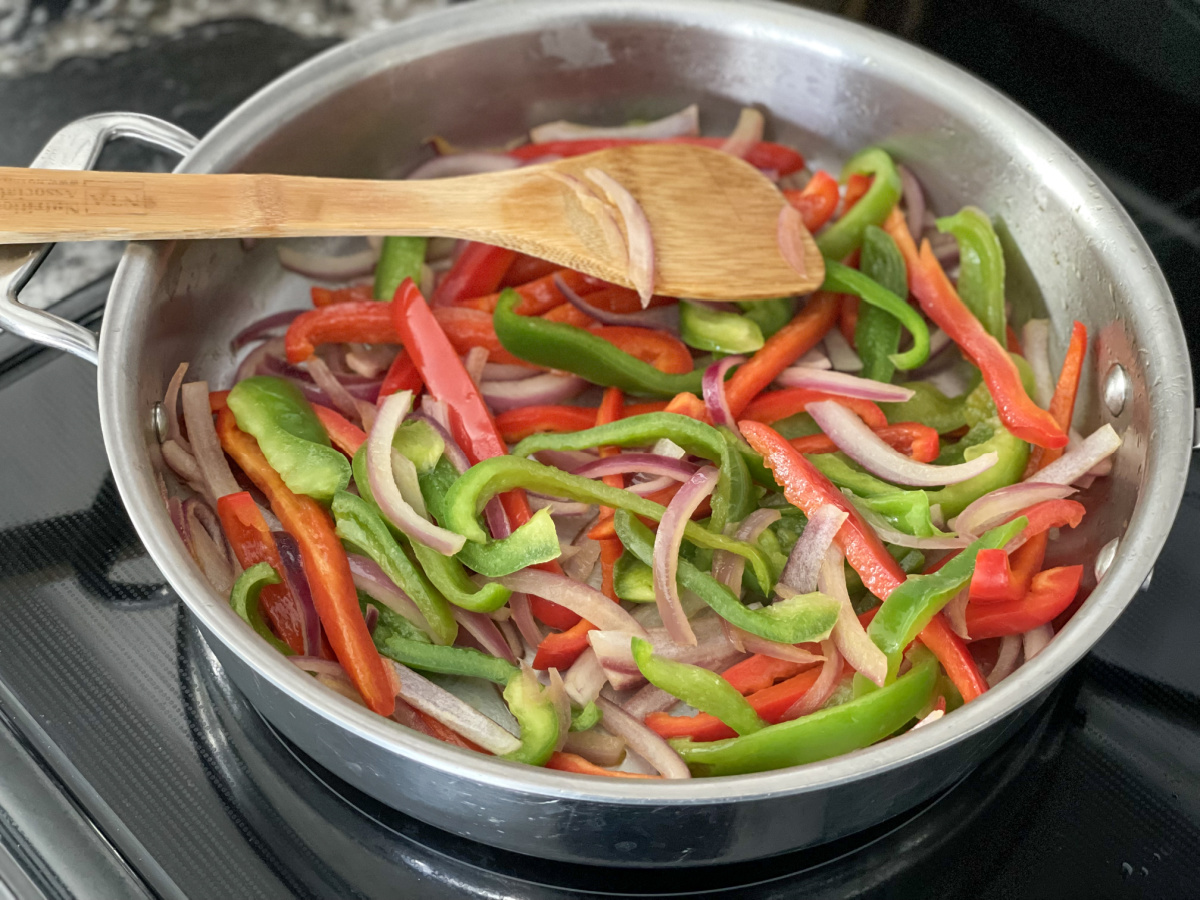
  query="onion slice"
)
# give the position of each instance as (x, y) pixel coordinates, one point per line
(374, 582)
(328, 268)
(713, 388)
(752, 643)
(484, 630)
(860, 443)
(931, 717)
(585, 678)
(293, 573)
(557, 694)
(814, 698)
(457, 715)
(1037, 640)
(891, 535)
(1035, 342)
(746, 133)
(843, 385)
(380, 474)
(1077, 462)
(665, 318)
(596, 746)
(462, 164)
(171, 406)
(538, 390)
(584, 601)
(263, 327)
(598, 210)
(849, 636)
(637, 232)
(648, 463)
(1006, 659)
(667, 542)
(615, 654)
(642, 741)
(649, 699)
(728, 567)
(206, 447)
(804, 563)
(686, 122)
(999, 505)
(522, 616)
(789, 236)
(914, 199)
(842, 357)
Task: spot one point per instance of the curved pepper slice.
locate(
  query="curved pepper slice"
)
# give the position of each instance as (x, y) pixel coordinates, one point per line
(846, 234)
(877, 332)
(771, 406)
(702, 688)
(847, 280)
(325, 566)
(244, 600)
(771, 703)
(446, 660)
(1050, 594)
(399, 258)
(479, 269)
(534, 711)
(557, 345)
(817, 201)
(981, 267)
(828, 732)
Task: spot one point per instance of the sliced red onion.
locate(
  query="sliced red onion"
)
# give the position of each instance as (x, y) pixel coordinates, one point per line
(474, 362)
(649, 699)
(451, 450)
(956, 613)
(664, 318)
(746, 133)
(615, 654)
(206, 447)
(585, 678)
(1037, 640)
(263, 327)
(374, 582)
(849, 636)
(512, 637)
(642, 741)
(929, 718)
(538, 390)
(185, 466)
(625, 463)
(890, 535)
(557, 694)
(557, 507)
(679, 124)
(637, 232)
(1006, 659)
(843, 385)
(297, 582)
(327, 268)
(584, 601)
(816, 358)
(667, 542)
(999, 505)
(728, 567)
(752, 643)
(1102, 468)
(171, 407)
(936, 517)
(600, 211)
(945, 248)
(648, 488)
(842, 357)
(864, 446)
(1035, 342)
(808, 553)
(179, 520)
(713, 388)
(914, 199)
(462, 164)
(522, 616)
(395, 507)
(567, 460)
(578, 561)
(315, 665)
(485, 632)
(457, 715)
(506, 372)
(497, 519)
(1074, 464)
(814, 698)
(789, 235)
(596, 746)
(370, 360)
(334, 389)
(209, 552)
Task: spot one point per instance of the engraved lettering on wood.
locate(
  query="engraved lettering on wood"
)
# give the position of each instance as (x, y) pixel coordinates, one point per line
(116, 196)
(41, 195)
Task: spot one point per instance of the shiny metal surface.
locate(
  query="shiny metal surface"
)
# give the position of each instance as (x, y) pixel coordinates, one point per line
(478, 75)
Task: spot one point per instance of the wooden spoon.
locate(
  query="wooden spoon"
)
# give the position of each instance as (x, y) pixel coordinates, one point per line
(713, 217)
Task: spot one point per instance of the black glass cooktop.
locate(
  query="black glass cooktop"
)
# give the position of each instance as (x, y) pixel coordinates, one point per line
(130, 767)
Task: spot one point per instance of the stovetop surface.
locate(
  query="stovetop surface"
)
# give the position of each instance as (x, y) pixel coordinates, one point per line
(165, 782)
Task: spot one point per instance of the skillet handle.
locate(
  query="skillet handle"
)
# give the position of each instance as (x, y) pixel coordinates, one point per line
(74, 147)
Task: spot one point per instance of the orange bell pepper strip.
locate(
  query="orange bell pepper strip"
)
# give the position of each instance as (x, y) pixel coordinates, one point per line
(359, 321)
(569, 315)
(817, 201)
(781, 349)
(478, 270)
(856, 186)
(517, 424)
(541, 294)
(758, 672)
(248, 534)
(218, 400)
(771, 406)
(938, 299)
(344, 434)
(954, 656)
(687, 404)
(402, 375)
(805, 487)
(919, 441)
(1050, 593)
(325, 566)
(1062, 404)
(577, 765)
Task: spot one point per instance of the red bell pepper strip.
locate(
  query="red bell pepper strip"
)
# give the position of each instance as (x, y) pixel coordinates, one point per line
(856, 186)
(781, 349)
(993, 580)
(848, 317)
(569, 315)
(217, 400)
(518, 424)
(322, 296)
(346, 436)
(561, 648)
(663, 351)
(1050, 514)
(770, 703)
(427, 724)
(817, 201)
(954, 656)
(1050, 593)
(542, 294)
(941, 302)
(525, 269)
(1012, 342)
(1062, 404)
(478, 270)
(771, 406)
(689, 405)
(248, 534)
(469, 328)
(805, 487)
(919, 441)
(763, 155)
(759, 672)
(577, 765)
(359, 321)
(325, 566)
(402, 375)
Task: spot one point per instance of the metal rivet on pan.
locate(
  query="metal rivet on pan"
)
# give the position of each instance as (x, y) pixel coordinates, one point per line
(1116, 389)
(158, 420)
(1105, 558)
(1146, 581)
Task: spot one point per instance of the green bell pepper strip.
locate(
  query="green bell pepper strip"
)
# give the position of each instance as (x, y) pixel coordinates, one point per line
(419, 443)
(827, 732)
(534, 711)
(709, 329)
(768, 315)
(358, 524)
(490, 477)
(981, 267)
(804, 617)
(731, 501)
(929, 406)
(244, 600)
(702, 688)
(534, 542)
(845, 235)
(906, 510)
(557, 345)
(1012, 455)
(633, 580)
(910, 606)
(446, 660)
(445, 572)
(845, 280)
(877, 332)
(390, 622)
(290, 436)
(585, 718)
(399, 258)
